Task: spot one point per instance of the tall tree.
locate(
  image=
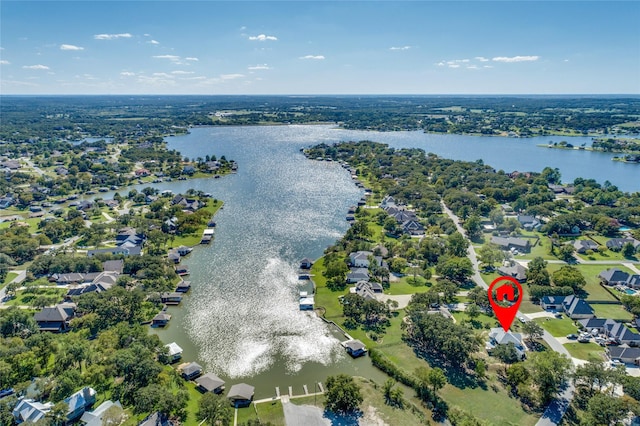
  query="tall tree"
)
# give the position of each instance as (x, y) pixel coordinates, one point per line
(343, 394)
(215, 410)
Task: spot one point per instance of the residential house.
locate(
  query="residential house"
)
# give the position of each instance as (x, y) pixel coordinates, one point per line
(633, 281)
(621, 334)
(360, 259)
(183, 286)
(614, 277)
(94, 418)
(625, 354)
(184, 250)
(156, 419)
(73, 278)
(355, 348)
(508, 243)
(388, 201)
(514, 270)
(572, 306)
(358, 274)
(6, 202)
(173, 256)
(616, 244)
(497, 336)
(188, 169)
(582, 246)
(598, 324)
(171, 298)
(191, 371)
(28, 410)
(142, 173)
(210, 383)
(113, 266)
(174, 351)
(413, 227)
(79, 402)
(367, 289)
(529, 223)
(102, 282)
(117, 251)
(241, 395)
(56, 318)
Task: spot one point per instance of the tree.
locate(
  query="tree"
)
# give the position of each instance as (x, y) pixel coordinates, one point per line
(506, 353)
(604, 409)
(517, 374)
(628, 250)
(454, 268)
(473, 310)
(215, 410)
(537, 273)
(569, 276)
(343, 394)
(58, 414)
(393, 396)
(473, 226)
(457, 244)
(549, 370)
(533, 330)
(566, 253)
(490, 254)
(436, 379)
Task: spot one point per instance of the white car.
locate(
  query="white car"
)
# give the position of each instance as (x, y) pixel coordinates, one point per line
(522, 319)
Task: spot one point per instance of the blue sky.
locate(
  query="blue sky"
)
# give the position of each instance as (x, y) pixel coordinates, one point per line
(324, 47)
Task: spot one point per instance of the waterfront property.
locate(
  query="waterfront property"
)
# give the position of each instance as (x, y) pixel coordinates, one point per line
(241, 395)
(161, 319)
(209, 382)
(173, 351)
(190, 371)
(56, 319)
(355, 348)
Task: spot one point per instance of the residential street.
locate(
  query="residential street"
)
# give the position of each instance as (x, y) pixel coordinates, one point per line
(554, 412)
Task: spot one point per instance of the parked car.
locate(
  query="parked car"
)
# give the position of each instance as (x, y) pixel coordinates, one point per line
(584, 339)
(615, 362)
(572, 336)
(522, 319)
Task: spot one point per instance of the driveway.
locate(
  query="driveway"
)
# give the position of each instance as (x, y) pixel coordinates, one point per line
(544, 314)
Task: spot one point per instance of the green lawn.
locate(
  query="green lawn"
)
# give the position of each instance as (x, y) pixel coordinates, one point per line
(27, 297)
(10, 276)
(481, 321)
(191, 240)
(616, 312)
(586, 351)
(270, 412)
(404, 287)
(558, 327)
(590, 272)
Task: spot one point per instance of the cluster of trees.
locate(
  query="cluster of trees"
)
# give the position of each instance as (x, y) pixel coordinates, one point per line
(563, 282)
(369, 313)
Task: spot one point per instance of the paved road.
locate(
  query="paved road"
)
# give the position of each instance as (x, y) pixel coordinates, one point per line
(307, 415)
(554, 412)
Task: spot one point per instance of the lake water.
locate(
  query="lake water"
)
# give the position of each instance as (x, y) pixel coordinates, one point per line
(241, 319)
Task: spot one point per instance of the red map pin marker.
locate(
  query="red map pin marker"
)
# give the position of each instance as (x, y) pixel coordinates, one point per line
(505, 291)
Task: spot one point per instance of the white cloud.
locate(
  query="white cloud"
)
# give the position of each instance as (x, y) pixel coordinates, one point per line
(472, 67)
(111, 36)
(161, 74)
(315, 57)
(35, 67)
(154, 42)
(482, 59)
(566, 60)
(172, 58)
(515, 58)
(231, 76)
(454, 65)
(259, 67)
(178, 72)
(3, 62)
(70, 47)
(441, 64)
(263, 37)
(127, 74)
(191, 59)
(400, 48)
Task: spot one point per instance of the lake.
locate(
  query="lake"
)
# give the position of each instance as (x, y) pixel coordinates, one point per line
(241, 319)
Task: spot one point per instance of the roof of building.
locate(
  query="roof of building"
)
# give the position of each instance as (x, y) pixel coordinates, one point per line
(576, 306)
(241, 391)
(502, 338)
(56, 313)
(191, 368)
(624, 351)
(354, 345)
(613, 275)
(174, 349)
(94, 418)
(113, 266)
(210, 382)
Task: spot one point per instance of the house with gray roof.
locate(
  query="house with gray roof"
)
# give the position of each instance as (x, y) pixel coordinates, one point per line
(241, 395)
(582, 246)
(358, 274)
(572, 306)
(94, 418)
(621, 334)
(56, 319)
(156, 419)
(79, 402)
(355, 348)
(28, 410)
(191, 371)
(614, 277)
(508, 243)
(497, 336)
(515, 270)
(616, 244)
(529, 223)
(625, 354)
(210, 383)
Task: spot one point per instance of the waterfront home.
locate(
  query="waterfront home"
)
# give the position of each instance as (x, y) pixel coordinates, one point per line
(360, 259)
(94, 418)
(241, 395)
(355, 348)
(191, 371)
(102, 282)
(367, 290)
(115, 251)
(173, 256)
(182, 270)
(56, 319)
(358, 274)
(497, 336)
(210, 383)
(28, 410)
(174, 351)
(184, 250)
(161, 319)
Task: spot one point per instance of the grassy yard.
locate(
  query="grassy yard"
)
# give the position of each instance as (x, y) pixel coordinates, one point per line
(265, 412)
(616, 312)
(191, 240)
(558, 327)
(10, 276)
(27, 297)
(586, 351)
(590, 272)
(404, 287)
